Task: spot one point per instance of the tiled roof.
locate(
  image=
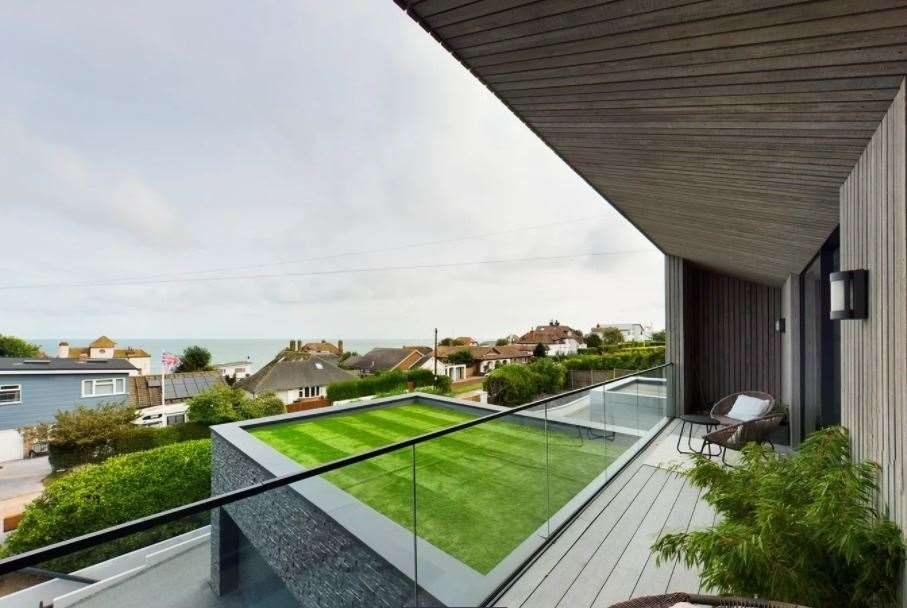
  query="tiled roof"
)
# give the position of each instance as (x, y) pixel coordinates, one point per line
(383, 359)
(323, 347)
(549, 334)
(292, 369)
(76, 352)
(102, 342)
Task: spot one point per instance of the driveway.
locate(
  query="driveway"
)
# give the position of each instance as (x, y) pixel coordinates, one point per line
(20, 483)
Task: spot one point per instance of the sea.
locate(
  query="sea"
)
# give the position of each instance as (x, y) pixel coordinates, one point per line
(225, 350)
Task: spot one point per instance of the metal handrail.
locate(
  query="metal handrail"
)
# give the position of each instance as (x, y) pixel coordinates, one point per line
(37, 556)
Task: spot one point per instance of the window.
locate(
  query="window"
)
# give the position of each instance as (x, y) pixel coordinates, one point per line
(176, 419)
(10, 394)
(104, 387)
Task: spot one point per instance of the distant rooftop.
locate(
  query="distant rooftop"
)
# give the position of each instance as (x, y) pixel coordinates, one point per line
(54, 364)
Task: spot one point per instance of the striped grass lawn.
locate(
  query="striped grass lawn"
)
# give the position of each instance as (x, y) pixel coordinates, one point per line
(480, 492)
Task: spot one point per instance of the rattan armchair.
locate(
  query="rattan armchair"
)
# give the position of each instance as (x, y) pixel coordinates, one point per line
(666, 601)
(724, 405)
(735, 436)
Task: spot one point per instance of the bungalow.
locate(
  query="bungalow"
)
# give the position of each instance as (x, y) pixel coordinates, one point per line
(235, 369)
(386, 359)
(559, 339)
(483, 359)
(295, 376)
(34, 390)
(145, 395)
(105, 348)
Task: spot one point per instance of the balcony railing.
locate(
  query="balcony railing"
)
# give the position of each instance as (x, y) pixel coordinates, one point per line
(443, 518)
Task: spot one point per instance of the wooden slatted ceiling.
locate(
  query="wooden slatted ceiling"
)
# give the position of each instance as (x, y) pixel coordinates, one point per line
(721, 128)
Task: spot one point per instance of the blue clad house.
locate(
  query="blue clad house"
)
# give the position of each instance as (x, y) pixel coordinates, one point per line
(33, 390)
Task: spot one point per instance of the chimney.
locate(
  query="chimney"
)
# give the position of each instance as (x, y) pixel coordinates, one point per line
(63, 350)
(340, 346)
(292, 344)
(298, 343)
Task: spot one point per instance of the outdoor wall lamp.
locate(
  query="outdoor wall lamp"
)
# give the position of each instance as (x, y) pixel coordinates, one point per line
(849, 294)
(780, 325)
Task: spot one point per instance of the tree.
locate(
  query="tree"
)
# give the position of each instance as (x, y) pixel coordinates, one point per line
(593, 341)
(612, 335)
(540, 350)
(551, 375)
(220, 404)
(195, 359)
(501, 342)
(461, 357)
(89, 426)
(511, 385)
(659, 336)
(446, 342)
(11, 346)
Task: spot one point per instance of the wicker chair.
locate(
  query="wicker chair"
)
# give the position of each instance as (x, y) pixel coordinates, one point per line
(735, 436)
(666, 601)
(724, 405)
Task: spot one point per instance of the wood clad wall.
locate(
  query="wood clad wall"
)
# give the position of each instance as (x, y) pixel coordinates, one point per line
(674, 310)
(874, 350)
(721, 334)
(731, 337)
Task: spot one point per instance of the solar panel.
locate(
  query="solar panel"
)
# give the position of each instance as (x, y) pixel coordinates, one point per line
(179, 389)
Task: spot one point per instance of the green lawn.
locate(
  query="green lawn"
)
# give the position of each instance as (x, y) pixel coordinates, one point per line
(465, 387)
(479, 492)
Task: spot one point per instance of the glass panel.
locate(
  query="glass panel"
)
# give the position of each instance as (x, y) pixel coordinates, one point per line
(342, 540)
(481, 505)
(103, 387)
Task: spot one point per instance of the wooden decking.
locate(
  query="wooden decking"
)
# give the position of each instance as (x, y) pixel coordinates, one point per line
(603, 557)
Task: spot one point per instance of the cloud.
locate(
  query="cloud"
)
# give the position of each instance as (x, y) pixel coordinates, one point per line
(38, 173)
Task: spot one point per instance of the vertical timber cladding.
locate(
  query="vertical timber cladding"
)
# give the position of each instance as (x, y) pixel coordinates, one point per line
(874, 350)
(722, 336)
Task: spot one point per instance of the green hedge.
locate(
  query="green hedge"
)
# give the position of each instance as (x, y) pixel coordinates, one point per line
(123, 440)
(392, 382)
(121, 489)
(515, 384)
(626, 358)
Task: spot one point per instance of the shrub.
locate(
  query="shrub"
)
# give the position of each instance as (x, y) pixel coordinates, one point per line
(433, 390)
(84, 426)
(624, 358)
(420, 377)
(800, 528)
(540, 350)
(551, 375)
(461, 357)
(220, 404)
(121, 489)
(443, 384)
(511, 385)
(593, 340)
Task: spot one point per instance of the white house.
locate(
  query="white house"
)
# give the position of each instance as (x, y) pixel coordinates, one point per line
(235, 369)
(632, 332)
(559, 339)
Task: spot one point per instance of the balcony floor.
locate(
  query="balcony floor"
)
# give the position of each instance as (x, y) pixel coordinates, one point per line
(603, 557)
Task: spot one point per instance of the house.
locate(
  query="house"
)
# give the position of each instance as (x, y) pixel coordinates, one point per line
(105, 348)
(631, 332)
(144, 394)
(386, 359)
(484, 359)
(235, 369)
(559, 339)
(295, 376)
(465, 341)
(34, 390)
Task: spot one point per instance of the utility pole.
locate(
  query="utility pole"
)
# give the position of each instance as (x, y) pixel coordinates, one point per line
(435, 357)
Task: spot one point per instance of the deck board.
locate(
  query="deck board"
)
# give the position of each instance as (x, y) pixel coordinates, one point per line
(603, 556)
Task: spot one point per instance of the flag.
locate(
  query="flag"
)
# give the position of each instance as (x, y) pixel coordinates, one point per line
(169, 361)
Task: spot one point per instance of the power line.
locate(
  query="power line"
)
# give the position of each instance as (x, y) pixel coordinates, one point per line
(314, 273)
(186, 273)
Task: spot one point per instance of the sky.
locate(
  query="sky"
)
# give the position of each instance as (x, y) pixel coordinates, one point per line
(234, 170)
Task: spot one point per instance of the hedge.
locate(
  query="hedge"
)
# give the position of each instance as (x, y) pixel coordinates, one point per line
(627, 358)
(391, 382)
(124, 440)
(121, 489)
(515, 384)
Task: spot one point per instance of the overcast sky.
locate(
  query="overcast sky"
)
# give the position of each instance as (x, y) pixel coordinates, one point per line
(163, 138)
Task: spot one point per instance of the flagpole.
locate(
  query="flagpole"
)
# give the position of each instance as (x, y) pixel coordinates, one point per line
(163, 401)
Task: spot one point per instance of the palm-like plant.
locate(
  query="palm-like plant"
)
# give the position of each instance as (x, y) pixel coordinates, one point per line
(801, 528)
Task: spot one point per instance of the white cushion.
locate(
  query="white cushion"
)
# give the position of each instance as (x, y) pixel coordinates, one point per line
(748, 408)
(686, 605)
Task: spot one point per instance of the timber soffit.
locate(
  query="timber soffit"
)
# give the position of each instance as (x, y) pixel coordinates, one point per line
(721, 129)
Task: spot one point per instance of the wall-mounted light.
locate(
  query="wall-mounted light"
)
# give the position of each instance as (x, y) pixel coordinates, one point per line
(780, 326)
(849, 294)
